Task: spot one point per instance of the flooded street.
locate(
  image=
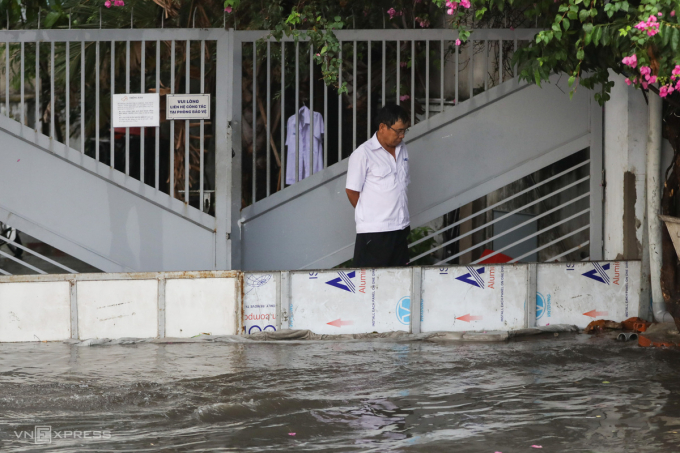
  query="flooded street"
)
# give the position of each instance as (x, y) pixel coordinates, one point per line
(568, 393)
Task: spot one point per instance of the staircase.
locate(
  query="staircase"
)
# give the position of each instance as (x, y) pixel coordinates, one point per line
(81, 204)
(471, 149)
(101, 213)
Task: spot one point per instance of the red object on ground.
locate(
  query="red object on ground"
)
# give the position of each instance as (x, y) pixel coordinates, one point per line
(646, 342)
(498, 258)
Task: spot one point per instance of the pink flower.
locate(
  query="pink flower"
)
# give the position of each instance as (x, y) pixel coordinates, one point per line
(676, 70)
(677, 85)
(630, 61)
(645, 70)
(663, 91)
(118, 3)
(107, 3)
(458, 42)
(392, 12)
(228, 9)
(673, 13)
(645, 85)
(405, 97)
(465, 3)
(628, 82)
(449, 11)
(651, 79)
(403, 64)
(660, 14)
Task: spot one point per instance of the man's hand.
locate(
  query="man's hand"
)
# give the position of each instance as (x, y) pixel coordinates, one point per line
(353, 197)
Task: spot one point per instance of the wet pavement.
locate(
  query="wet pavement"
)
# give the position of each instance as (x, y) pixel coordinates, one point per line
(567, 393)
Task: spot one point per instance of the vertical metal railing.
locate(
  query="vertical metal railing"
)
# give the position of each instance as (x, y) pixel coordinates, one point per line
(430, 75)
(83, 75)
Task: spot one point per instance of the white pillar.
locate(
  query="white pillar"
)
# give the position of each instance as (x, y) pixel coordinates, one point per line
(654, 224)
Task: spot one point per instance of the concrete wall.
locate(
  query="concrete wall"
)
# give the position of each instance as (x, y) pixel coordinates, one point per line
(625, 162)
(340, 301)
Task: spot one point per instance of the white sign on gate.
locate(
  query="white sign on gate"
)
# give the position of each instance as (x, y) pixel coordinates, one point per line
(188, 106)
(349, 301)
(135, 110)
(477, 297)
(259, 302)
(578, 293)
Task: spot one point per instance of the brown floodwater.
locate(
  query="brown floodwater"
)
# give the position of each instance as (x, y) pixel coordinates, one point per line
(568, 393)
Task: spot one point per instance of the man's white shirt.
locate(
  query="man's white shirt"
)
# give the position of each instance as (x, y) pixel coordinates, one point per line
(382, 181)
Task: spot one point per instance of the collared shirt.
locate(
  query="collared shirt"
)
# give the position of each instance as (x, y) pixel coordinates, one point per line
(382, 181)
(305, 169)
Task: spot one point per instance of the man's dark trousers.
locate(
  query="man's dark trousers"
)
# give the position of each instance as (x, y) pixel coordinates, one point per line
(384, 249)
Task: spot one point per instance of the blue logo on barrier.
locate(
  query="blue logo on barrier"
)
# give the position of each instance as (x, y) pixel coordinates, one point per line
(473, 277)
(344, 281)
(259, 329)
(599, 274)
(404, 310)
(540, 305)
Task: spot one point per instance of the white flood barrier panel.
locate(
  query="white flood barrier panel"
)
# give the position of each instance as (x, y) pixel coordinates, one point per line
(38, 311)
(260, 297)
(351, 301)
(472, 298)
(201, 305)
(578, 293)
(117, 309)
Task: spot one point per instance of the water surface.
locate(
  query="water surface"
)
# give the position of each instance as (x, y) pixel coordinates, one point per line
(566, 393)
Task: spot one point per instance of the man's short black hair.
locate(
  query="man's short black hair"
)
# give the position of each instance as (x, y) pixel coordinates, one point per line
(390, 114)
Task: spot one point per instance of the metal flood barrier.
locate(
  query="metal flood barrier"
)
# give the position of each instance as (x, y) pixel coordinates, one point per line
(340, 301)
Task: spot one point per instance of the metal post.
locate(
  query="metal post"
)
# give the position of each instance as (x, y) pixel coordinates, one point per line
(96, 96)
(112, 143)
(172, 122)
(127, 91)
(187, 157)
(142, 89)
(254, 124)
(232, 67)
(67, 68)
(201, 165)
(269, 114)
(224, 127)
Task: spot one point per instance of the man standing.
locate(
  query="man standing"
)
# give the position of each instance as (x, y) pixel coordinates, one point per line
(377, 178)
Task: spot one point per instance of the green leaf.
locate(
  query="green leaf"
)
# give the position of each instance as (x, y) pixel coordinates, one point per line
(580, 54)
(665, 34)
(565, 24)
(625, 6)
(675, 39)
(563, 8)
(588, 27)
(572, 15)
(51, 19)
(597, 35)
(572, 79)
(583, 15)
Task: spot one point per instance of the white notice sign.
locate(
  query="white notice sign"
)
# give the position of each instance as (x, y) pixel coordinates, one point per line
(136, 110)
(188, 106)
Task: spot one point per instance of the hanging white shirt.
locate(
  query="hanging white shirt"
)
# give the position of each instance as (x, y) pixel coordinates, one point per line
(305, 169)
(382, 181)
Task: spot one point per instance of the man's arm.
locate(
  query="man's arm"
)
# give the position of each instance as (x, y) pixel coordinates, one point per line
(353, 196)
